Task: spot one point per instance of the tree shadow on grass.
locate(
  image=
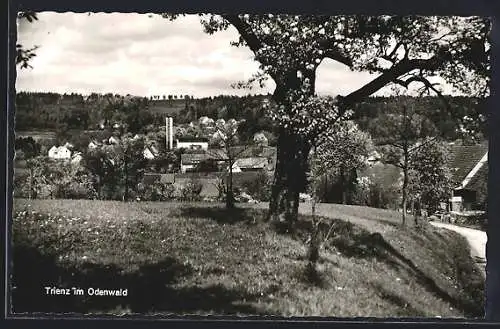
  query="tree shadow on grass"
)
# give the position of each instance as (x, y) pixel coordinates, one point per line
(405, 309)
(355, 242)
(373, 245)
(151, 288)
(220, 215)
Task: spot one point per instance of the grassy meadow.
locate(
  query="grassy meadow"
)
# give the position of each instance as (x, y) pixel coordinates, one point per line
(181, 258)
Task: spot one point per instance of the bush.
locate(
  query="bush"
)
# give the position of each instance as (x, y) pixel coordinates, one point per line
(372, 193)
(191, 191)
(259, 188)
(75, 190)
(157, 192)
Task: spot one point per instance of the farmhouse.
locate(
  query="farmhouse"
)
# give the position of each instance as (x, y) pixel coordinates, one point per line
(76, 158)
(94, 145)
(150, 153)
(189, 161)
(60, 152)
(197, 143)
(469, 166)
(373, 158)
(260, 139)
(204, 120)
(114, 140)
(250, 164)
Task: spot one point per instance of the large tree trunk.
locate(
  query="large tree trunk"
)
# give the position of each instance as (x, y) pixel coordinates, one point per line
(229, 194)
(289, 178)
(292, 155)
(343, 185)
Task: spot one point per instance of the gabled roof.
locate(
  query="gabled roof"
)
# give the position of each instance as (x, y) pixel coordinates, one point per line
(480, 179)
(192, 158)
(192, 140)
(252, 163)
(463, 158)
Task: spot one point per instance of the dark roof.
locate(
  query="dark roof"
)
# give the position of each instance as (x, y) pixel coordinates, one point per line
(244, 151)
(191, 158)
(193, 139)
(149, 179)
(218, 154)
(463, 158)
(253, 162)
(480, 180)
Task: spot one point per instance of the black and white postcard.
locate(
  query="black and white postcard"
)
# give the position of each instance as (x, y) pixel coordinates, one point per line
(250, 165)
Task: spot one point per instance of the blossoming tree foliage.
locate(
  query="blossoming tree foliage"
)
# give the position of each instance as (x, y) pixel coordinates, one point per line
(337, 149)
(227, 138)
(432, 183)
(342, 153)
(404, 50)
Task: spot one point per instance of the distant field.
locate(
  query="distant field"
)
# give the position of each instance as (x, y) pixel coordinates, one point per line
(197, 258)
(167, 107)
(36, 134)
(40, 136)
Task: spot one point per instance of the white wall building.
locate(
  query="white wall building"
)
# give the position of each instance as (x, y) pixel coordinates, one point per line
(192, 144)
(77, 158)
(60, 152)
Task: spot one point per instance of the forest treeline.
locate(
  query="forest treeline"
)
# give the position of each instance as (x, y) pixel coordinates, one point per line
(59, 113)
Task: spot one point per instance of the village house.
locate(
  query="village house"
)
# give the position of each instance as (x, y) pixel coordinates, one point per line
(150, 152)
(189, 161)
(260, 139)
(94, 145)
(76, 158)
(197, 143)
(469, 167)
(114, 140)
(69, 146)
(373, 158)
(205, 121)
(250, 164)
(59, 153)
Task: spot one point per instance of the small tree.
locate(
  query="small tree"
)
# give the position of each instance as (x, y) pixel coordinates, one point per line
(39, 175)
(343, 147)
(401, 135)
(100, 165)
(432, 176)
(344, 152)
(132, 163)
(227, 139)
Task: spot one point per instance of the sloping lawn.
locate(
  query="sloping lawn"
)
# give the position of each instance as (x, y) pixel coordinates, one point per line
(201, 259)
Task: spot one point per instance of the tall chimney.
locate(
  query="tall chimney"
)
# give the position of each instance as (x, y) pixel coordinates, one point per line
(171, 132)
(166, 133)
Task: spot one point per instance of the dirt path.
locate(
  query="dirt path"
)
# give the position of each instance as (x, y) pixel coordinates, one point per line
(476, 239)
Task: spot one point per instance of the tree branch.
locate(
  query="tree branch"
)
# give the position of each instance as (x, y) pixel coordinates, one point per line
(245, 32)
(427, 86)
(404, 66)
(329, 51)
(429, 140)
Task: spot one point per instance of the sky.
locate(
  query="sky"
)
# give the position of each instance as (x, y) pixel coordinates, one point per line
(146, 55)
